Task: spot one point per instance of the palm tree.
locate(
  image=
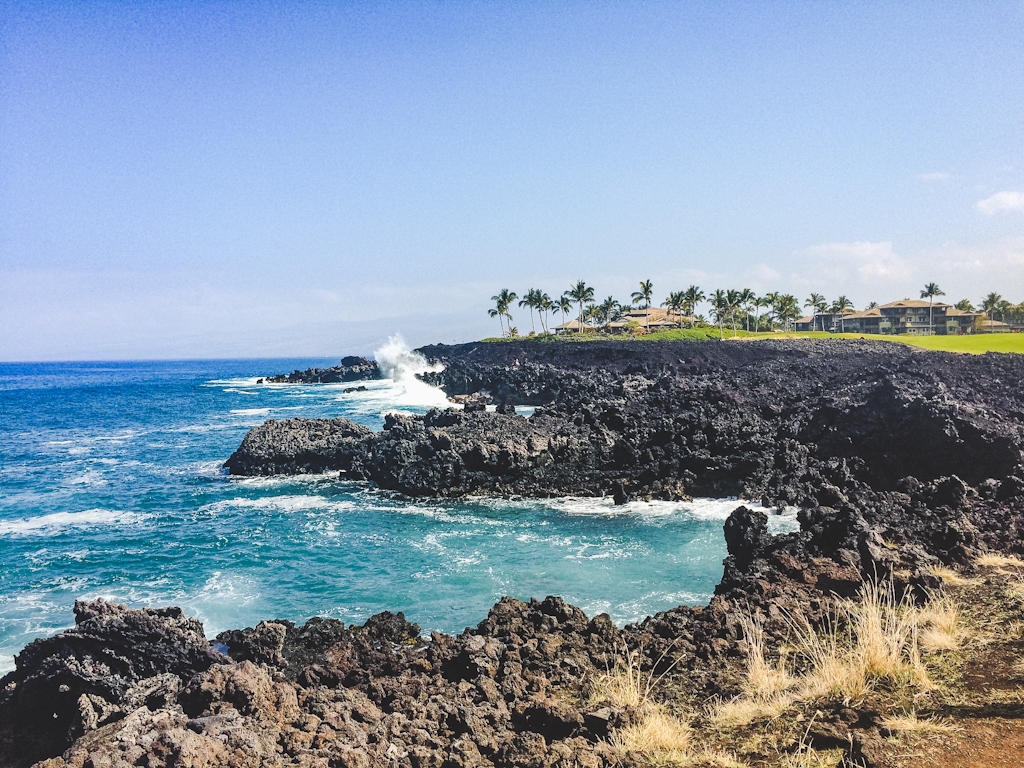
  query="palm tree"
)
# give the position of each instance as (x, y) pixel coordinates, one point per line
(499, 315)
(692, 296)
(545, 305)
(991, 303)
(787, 308)
(720, 308)
(746, 297)
(773, 302)
(532, 300)
(608, 311)
(759, 303)
(502, 302)
(839, 307)
(964, 305)
(644, 295)
(733, 298)
(674, 303)
(580, 293)
(872, 305)
(564, 305)
(814, 301)
(930, 292)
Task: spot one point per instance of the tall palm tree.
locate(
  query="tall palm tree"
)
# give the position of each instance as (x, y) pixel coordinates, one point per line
(581, 293)
(839, 307)
(674, 303)
(495, 313)
(747, 296)
(564, 305)
(502, 302)
(545, 305)
(930, 292)
(720, 308)
(787, 308)
(759, 303)
(964, 305)
(733, 299)
(772, 297)
(814, 301)
(531, 300)
(990, 304)
(644, 295)
(692, 296)
(821, 309)
(608, 311)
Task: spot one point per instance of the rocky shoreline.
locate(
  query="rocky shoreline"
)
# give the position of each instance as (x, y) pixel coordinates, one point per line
(900, 460)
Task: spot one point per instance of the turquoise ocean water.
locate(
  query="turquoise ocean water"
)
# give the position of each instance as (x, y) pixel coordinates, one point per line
(111, 486)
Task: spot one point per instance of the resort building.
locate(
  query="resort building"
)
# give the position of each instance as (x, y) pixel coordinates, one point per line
(868, 321)
(911, 316)
(653, 319)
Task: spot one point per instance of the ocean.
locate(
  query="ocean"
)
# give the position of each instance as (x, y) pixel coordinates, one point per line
(111, 486)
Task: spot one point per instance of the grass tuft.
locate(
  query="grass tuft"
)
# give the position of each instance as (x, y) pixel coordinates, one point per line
(1016, 590)
(953, 578)
(995, 560)
(943, 626)
(657, 734)
(911, 724)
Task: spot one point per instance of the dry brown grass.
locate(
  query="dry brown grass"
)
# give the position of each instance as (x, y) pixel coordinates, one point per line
(863, 643)
(1015, 590)
(806, 757)
(943, 627)
(766, 690)
(910, 724)
(874, 639)
(995, 560)
(953, 578)
(658, 735)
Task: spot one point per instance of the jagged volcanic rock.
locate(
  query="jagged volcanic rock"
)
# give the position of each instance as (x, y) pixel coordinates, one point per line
(351, 369)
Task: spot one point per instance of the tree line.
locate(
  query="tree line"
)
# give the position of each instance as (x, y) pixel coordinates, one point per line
(730, 308)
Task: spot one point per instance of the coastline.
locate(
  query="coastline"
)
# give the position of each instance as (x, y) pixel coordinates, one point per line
(769, 430)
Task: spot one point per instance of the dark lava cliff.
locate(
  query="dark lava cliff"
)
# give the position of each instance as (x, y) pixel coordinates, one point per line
(899, 460)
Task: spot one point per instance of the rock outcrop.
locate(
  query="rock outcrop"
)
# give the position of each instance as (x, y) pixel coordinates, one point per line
(351, 369)
(782, 422)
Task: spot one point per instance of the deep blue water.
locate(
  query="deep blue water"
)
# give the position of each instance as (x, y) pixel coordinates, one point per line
(110, 485)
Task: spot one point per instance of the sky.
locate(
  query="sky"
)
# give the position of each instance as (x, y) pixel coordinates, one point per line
(247, 179)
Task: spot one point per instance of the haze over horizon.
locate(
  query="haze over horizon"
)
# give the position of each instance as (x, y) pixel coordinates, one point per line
(305, 179)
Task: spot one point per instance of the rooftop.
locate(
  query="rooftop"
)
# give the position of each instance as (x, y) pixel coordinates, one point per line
(912, 304)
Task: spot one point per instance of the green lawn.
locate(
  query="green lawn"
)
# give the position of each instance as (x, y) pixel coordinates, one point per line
(975, 345)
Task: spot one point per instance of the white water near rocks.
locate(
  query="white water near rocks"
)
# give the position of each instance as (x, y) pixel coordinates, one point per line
(111, 487)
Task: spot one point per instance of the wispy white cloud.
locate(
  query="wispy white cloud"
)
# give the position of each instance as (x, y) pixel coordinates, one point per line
(1001, 201)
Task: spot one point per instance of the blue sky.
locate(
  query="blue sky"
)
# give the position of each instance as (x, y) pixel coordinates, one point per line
(247, 179)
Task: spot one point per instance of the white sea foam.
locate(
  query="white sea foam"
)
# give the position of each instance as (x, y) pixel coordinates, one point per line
(400, 364)
(782, 521)
(56, 522)
(250, 411)
(280, 504)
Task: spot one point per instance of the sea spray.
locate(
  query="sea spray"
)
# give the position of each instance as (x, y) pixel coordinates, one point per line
(401, 364)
